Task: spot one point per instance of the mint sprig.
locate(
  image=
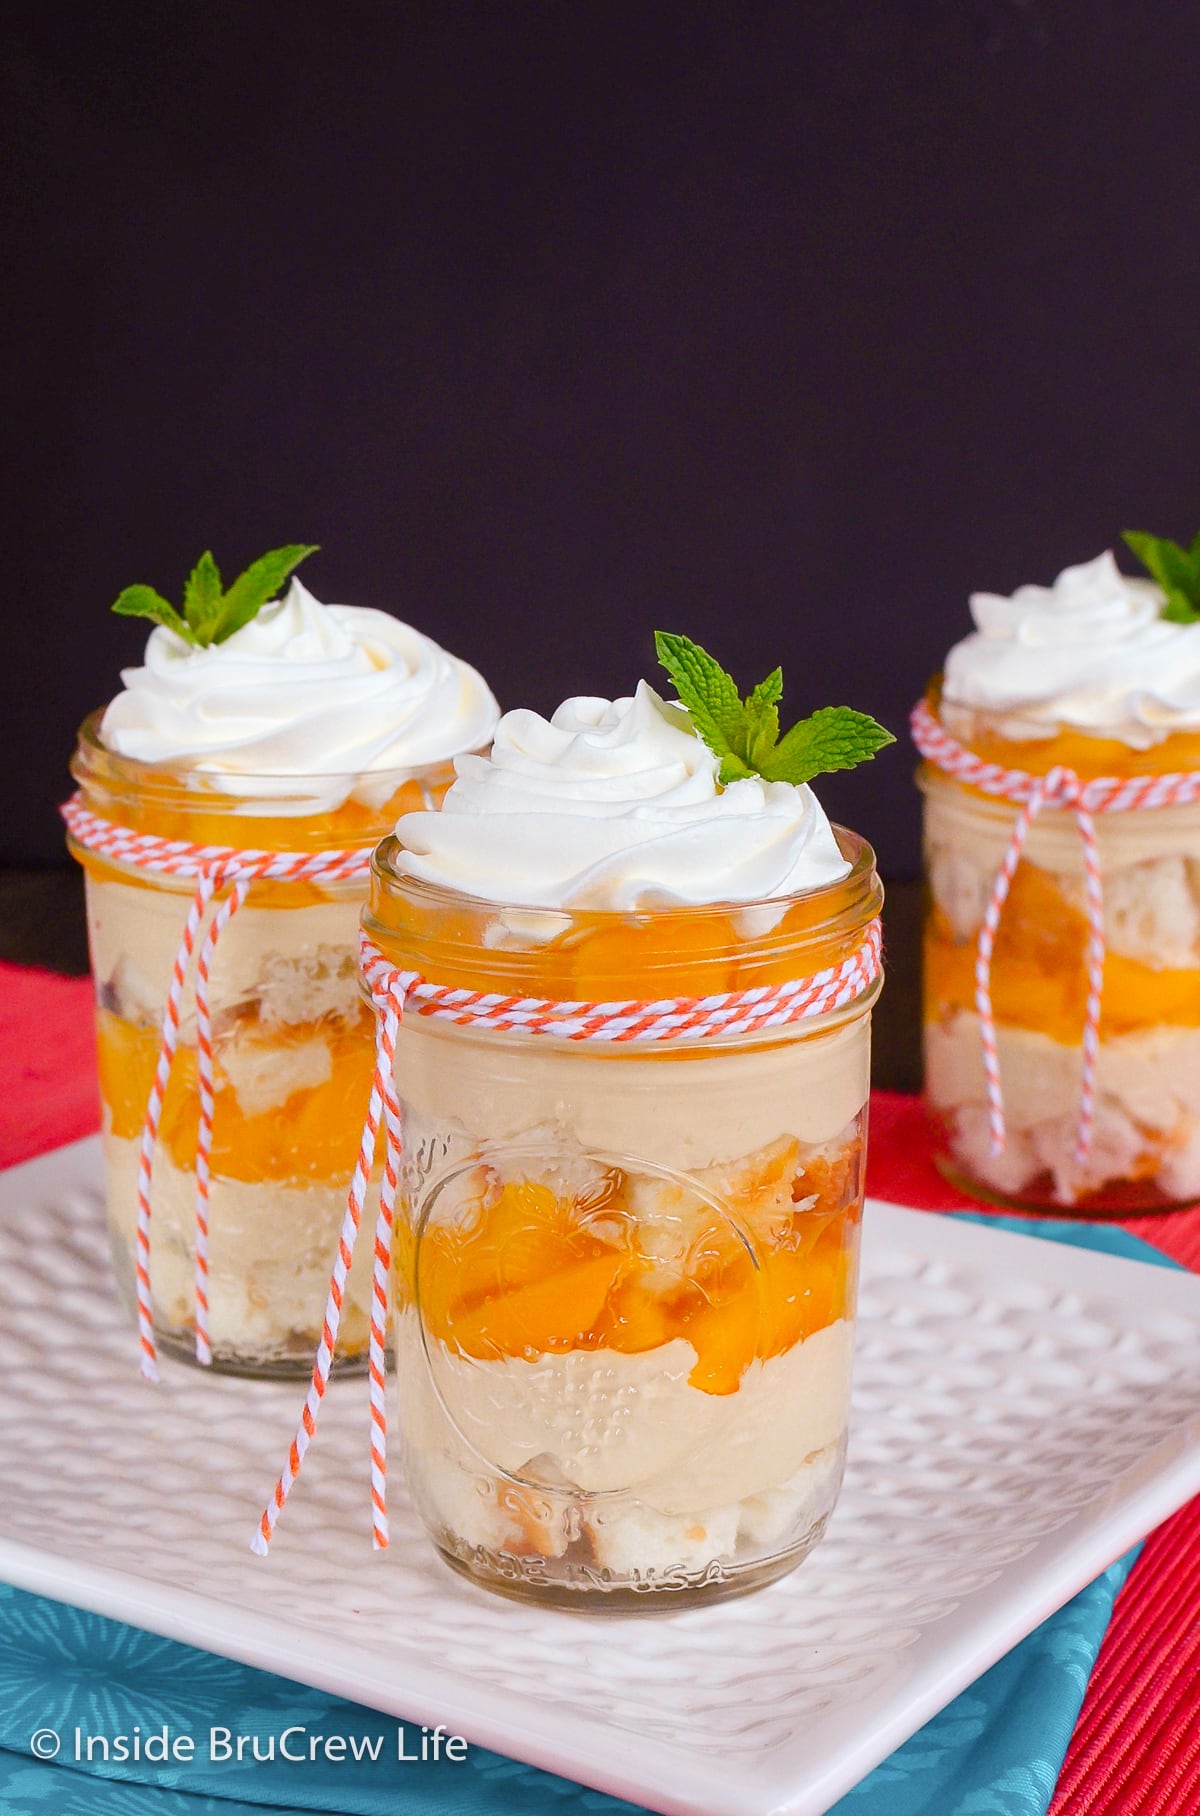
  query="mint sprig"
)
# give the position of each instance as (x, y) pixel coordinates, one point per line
(744, 734)
(1176, 569)
(211, 614)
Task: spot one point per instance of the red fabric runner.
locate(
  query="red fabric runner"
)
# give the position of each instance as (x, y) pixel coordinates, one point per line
(1137, 1745)
(47, 1062)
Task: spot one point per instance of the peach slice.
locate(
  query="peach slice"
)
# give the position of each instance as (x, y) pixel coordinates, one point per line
(527, 1273)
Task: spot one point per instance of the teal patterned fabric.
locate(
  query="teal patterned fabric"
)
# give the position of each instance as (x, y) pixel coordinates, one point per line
(995, 1751)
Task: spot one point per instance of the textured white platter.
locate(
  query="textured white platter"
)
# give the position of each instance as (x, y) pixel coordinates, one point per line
(1024, 1412)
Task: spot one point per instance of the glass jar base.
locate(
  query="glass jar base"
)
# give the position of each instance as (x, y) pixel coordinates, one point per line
(1130, 1198)
(287, 1356)
(581, 1588)
(181, 1347)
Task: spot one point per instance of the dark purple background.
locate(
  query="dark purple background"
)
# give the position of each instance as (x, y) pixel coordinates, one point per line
(785, 325)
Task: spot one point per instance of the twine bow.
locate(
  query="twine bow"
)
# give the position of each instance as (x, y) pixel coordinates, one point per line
(393, 992)
(1059, 788)
(218, 871)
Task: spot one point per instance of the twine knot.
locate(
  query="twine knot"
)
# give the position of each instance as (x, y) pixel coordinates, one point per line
(1060, 787)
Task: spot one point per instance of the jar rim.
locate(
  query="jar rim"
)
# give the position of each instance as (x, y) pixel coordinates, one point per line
(860, 884)
(1016, 726)
(93, 756)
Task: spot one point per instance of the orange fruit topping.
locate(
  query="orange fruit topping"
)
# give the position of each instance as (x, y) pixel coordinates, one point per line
(209, 819)
(1039, 980)
(522, 1272)
(311, 1137)
(608, 956)
(1089, 754)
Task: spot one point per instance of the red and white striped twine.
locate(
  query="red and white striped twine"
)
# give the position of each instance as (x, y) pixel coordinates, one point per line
(733, 1012)
(213, 869)
(1059, 788)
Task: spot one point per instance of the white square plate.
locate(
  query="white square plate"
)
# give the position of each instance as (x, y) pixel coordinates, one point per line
(1023, 1413)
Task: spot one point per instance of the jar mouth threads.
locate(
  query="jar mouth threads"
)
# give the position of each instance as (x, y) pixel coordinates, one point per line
(600, 955)
(262, 812)
(1019, 740)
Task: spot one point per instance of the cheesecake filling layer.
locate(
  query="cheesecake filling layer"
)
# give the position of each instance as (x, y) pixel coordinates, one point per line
(616, 1463)
(269, 1257)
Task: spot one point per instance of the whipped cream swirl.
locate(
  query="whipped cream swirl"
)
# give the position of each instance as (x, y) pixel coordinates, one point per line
(304, 689)
(1093, 651)
(615, 805)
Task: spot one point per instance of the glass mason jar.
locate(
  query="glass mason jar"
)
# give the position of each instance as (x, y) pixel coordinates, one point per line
(625, 1276)
(293, 1051)
(1145, 1150)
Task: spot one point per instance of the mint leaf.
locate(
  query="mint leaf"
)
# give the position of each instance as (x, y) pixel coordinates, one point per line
(710, 695)
(144, 602)
(762, 715)
(202, 597)
(834, 737)
(1170, 564)
(1176, 569)
(733, 769)
(768, 693)
(260, 582)
(744, 734)
(210, 615)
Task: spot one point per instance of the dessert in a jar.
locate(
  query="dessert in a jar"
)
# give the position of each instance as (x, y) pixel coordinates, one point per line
(632, 1074)
(1062, 854)
(277, 739)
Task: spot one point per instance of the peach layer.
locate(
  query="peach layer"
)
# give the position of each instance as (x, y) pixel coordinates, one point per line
(1087, 753)
(209, 819)
(1039, 980)
(312, 1138)
(526, 1273)
(605, 956)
